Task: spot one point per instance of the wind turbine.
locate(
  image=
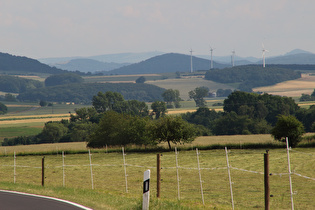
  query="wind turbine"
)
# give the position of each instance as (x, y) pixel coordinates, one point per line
(232, 57)
(191, 63)
(263, 54)
(211, 51)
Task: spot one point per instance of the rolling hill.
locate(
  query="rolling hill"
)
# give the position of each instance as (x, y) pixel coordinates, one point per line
(12, 64)
(170, 62)
(88, 65)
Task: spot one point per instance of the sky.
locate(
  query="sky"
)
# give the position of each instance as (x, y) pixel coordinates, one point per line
(64, 28)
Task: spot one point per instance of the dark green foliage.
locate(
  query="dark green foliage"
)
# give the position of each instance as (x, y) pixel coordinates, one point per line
(43, 103)
(140, 79)
(233, 124)
(15, 84)
(84, 92)
(172, 129)
(307, 117)
(203, 116)
(171, 96)
(53, 132)
(223, 92)
(119, 129)
(251, 76)
(3, 109)
(9, 97)
(257, 106)
(158, 109)
(288, 126)
(25, 65)
(307, 97)
(198, 95)
(63, 79)
(106, 101)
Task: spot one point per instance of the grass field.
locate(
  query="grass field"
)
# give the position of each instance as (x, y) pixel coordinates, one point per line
(109, 179)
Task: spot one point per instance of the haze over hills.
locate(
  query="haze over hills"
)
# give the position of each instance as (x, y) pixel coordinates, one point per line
(89, 65)
(170, 62)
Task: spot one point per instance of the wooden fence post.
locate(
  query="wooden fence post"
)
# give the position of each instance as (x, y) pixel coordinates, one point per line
(158, 179)
(43, 171)
(266, 179)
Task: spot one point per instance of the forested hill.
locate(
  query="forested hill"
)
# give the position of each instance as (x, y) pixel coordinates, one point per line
(251, 76)
(18, 64)
(170, 62)
(84, 92)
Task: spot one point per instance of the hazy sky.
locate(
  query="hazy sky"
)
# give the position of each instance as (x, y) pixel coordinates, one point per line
(57, 28)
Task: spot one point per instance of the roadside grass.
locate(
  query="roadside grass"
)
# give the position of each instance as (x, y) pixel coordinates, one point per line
(110, 186)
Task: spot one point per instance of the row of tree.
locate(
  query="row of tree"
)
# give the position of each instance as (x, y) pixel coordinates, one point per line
(251, 76)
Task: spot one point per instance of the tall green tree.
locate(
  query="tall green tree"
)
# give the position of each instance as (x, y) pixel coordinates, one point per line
(172, 129)
(198, 95)
(106, 101)
(171, 96)
(288, 126)
(53, 132)
(3, 108)
(158, 109)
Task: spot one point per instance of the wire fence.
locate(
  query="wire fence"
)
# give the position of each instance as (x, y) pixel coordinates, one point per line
(231, 178)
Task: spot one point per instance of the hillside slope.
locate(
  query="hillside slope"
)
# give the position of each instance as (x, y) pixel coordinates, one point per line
(10, 63)
(170, 62)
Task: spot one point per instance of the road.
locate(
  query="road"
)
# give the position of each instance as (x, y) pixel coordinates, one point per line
(10, 200)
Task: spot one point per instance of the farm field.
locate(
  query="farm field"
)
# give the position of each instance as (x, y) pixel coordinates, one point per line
(292, 88)
(246, 175)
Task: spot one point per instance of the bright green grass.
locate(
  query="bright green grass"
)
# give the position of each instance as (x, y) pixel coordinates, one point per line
(109, 180)
(9, 132)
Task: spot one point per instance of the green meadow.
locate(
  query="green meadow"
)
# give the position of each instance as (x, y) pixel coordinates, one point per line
(73, 180)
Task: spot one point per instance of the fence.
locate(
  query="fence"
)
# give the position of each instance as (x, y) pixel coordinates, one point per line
(223, 177)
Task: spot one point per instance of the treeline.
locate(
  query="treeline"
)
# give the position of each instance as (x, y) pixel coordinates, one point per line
(251, 76)
(113, 121)
(83, 93)
(14, 84)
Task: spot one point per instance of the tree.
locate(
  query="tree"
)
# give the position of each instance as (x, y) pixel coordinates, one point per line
(288, 126)
(106, 101)
(119, 129)
(53, 132)
(198, 95)
(42, 103)
(9, 97)
(172, 129)
(141, 79)
(62, 79)
(158, 109)
(3, 108)
(171, 96)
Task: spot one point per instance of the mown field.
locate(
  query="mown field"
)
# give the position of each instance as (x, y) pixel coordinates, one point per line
(110, 186)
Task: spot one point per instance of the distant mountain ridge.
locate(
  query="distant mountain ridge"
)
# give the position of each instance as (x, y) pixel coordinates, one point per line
(89, 65)
(170, 62)
(12, 63)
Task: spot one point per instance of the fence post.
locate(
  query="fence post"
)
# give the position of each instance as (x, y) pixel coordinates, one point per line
(230, 179)
(266, 179)
(63, 169)
(289, 169)
(126, 181)
(203, 200)
(91, 170)
(14, 166)
(146, 190)
(43, 171)
(177, 173)
(158, 173)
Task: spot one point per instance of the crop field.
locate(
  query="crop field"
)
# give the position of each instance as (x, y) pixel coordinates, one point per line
(292, 88)
(108, 176)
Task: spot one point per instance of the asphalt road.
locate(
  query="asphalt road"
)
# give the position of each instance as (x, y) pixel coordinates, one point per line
(10, 200)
